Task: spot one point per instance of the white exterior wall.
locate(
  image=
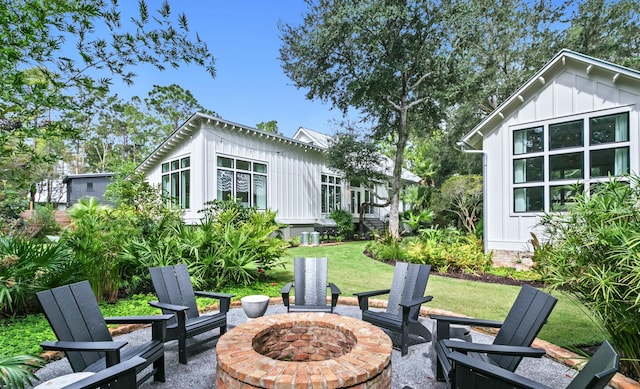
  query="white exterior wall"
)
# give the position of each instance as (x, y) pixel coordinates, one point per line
(188, 147)
(293, 174)
(570, 92)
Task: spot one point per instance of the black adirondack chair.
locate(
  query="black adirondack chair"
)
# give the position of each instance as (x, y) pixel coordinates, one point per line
(524, 321)
(176, 297)
(473, 373)
(76, 320)
(310, 287)
(403, 307)
(119, 376)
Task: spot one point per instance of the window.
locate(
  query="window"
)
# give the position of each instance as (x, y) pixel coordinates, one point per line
(176, 182)
(89, 186)
(242, 180)
(554, 160)
(331, 192)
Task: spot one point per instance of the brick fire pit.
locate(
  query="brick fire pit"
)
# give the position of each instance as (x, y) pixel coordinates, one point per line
(304, 350)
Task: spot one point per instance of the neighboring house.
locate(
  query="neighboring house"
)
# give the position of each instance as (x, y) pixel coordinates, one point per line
(87, 185)
(209, 158)
(575, 121)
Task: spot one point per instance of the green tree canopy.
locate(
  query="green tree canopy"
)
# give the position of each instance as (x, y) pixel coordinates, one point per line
(385, 59)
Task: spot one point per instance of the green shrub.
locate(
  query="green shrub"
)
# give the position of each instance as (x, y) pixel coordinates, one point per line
(230, 245)
(446, 251)
(27, 267)
(594, 255)
(344, 222)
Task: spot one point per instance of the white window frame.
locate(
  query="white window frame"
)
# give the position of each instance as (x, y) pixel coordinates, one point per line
(253, 201)
(331, 193)
(586, 148)
(182, 199)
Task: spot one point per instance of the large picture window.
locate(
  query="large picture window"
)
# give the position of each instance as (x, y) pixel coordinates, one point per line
(550, 160)
(331, 192)
(176, 181)
(242, 180)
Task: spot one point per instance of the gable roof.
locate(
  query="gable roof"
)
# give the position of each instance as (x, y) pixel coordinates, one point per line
(191, 125)
(312, 137)
(304, 138)
(617, 73)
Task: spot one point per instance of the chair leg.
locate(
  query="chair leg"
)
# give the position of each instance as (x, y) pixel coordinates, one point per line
(158, 367)
(182, 348)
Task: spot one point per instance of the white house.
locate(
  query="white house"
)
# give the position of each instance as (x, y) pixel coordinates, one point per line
(575, 121)
(210, 158)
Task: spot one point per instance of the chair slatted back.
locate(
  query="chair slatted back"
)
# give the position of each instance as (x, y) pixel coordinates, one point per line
(409, 282)
(173, 286)
(597, 373)
(524, 321)
(310, 281)
(74, 315)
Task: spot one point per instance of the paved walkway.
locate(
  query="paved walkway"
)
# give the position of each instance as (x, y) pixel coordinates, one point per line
(415, 369)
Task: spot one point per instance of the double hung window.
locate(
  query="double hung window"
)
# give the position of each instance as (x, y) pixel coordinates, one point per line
(551, 161)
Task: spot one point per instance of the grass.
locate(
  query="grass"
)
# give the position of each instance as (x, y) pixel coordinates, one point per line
(568, 325)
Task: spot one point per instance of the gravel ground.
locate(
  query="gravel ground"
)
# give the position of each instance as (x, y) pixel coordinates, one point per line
(414, 370)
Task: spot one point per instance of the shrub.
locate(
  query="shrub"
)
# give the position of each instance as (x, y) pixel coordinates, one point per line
(447, 250)
(27, 267)
(96, 238)
(594, 255)
(344, 221)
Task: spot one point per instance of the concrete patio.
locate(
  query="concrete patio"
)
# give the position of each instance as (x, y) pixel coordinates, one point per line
(414, 370)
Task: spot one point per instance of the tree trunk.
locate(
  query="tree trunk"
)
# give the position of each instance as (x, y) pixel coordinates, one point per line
(396, 180)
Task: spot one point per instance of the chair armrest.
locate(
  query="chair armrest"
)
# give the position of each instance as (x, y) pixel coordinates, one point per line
(489, 370)
(470, 321)
(137, 319)
(213, 295)
(225, 299)
(287, 288)
(83, 346)
(493, 348)
(363, 297)
(372, 293)
(413, 303)
(285, 294)
(334, 288)
(105, 376)
(168, 307)
(111, 349)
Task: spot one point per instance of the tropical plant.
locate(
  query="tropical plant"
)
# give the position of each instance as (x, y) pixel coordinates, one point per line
(96, 238)
(27, 267)
(17, 371)
(593, 253)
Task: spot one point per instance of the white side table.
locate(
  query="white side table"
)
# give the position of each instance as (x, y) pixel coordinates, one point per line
(64, 380)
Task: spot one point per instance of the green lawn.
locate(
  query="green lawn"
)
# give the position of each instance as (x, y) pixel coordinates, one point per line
(353, 272)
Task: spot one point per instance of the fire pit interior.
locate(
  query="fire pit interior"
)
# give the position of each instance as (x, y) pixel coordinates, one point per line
(304, 350)
(315, 342)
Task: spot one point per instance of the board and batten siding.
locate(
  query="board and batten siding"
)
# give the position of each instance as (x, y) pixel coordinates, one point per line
(293, 173)
(570, 92)
(190, 147)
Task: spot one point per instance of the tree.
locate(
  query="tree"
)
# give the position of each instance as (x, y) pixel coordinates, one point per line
(386, 59)
(57, 52)
(358, 158)
(462, 195)
(608, 30)
(270, 126)
(172, 105)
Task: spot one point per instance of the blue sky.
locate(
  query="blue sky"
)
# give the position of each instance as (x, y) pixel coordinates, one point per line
(250, 86)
